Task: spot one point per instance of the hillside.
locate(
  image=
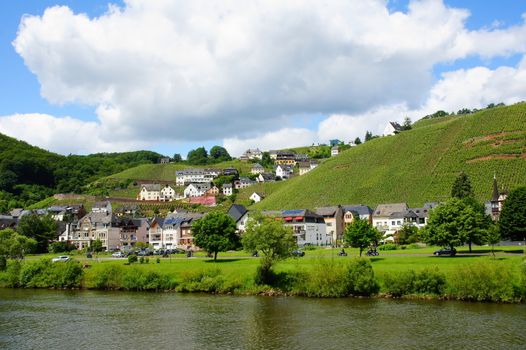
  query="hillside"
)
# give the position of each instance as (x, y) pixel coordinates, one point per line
(418, 165)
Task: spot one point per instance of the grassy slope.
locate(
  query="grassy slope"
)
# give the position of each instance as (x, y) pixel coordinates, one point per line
(418, 165)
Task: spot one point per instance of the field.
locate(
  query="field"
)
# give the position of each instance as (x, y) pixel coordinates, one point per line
(418, 165)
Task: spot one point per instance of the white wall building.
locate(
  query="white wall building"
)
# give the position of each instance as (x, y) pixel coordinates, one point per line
(196, 189)
(149, 192)
(195, 175)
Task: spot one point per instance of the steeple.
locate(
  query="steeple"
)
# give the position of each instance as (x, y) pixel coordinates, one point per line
(495, 196)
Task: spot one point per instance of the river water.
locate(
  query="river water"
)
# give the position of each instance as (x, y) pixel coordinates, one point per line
(42, 319)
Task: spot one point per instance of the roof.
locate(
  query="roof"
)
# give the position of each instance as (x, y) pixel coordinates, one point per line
(237, 211)
(100, 218)
(267, 176)
(360, 209)
(258, 166)
(304, 164)
(227, 185)
(203, 200)
(327, 211)
(152, 187)
(395, 125)
(200, 185)
(102, 204)
(259, 194)
(388, 209)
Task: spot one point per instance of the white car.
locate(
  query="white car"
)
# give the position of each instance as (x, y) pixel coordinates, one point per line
(118, 255)
(61, 258)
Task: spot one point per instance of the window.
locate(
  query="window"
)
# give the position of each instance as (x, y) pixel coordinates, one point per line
(399, 222)
(392, 223)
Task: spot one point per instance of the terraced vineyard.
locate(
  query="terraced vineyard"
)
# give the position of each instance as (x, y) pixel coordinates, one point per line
(418, 165)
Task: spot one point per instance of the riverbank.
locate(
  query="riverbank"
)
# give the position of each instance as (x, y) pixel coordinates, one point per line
(321, 273)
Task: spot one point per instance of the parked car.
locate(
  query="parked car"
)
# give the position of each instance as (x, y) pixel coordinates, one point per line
(445, 251)
(61, 258)
(118, 255)
(298, 253)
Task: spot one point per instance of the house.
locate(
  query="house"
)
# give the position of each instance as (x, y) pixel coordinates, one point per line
(301, 158)
(266, 177)
(351, 212)
(243, 182)
(305, 167)
(184, 234)
(149, 192)
(213, 191)
(209, 201)
(251, 154)
(66, 212)
(388, 217)
(285, 158)
(131, 231)
(256, 197)
(8, 221)
(127, 210)
(16, 212)
(333, 217)
(230, 172)
(228, 189)
(307, 227)
(257, 169)
(335, 150)
(196, 189)
(94, 226)
(167, 194)
(195, 175)
(240, 215)
(497, 200)
(392, 128)
(102, 207)
(164, 160)
(284, 171)
(273, 155)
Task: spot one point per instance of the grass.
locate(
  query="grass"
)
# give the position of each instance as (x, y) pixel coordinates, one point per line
(419, 165)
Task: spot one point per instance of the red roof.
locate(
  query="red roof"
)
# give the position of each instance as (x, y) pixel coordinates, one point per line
(203, 200)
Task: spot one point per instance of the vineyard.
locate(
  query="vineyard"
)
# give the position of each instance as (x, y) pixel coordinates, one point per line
(419, 165)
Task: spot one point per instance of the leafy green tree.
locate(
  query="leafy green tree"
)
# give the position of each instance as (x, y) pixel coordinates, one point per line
(462, 187)
(13, 245)
(512, 220)
(476, 222)
(43, 229)
(177, 158)
(454, 223)
(197, 156)
(266, 161)
(493, 237)
(407, 125)
(361, 234)
(219, 154)
(268, 236)
(215, 232)
(407, 234)
(368, 136)
(357, 141)
(96, 246)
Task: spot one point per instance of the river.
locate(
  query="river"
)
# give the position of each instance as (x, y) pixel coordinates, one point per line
(43, 319)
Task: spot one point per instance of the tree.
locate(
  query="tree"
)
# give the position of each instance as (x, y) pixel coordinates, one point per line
(454, 223)
(361, 234)
(219, 154)
(13, 245)
(43, 229)
(407, 125)
(476, 222)
(368, 135)
(357, 141)
(266, 161)
(268, 236)
(462, 187)
(96, 246)
(197, 156)
(407, 234)
(493, 237)
(512, 220)
(215, 232)
(177, 158)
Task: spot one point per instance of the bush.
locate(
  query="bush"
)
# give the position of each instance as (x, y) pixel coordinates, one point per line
(141, 260)
(210, 281)
(426, 282)
(399, 284)
(361, 278)
(11, 277)
(137, 280)
(484, 281)
(45, 274)
(61, 247)
(3, 263)
(388, 246)
(158, 260)
(132, 259)
(264, 274)
(108, 277)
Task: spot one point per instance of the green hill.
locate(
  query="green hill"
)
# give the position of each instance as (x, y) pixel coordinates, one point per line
(418, 165)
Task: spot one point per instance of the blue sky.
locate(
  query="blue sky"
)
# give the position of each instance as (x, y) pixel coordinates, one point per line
(262, 118)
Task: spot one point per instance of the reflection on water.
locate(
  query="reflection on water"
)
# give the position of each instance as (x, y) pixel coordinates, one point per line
(36, 319)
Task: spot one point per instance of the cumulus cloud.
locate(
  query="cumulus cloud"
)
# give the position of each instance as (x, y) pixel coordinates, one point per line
(158, 71)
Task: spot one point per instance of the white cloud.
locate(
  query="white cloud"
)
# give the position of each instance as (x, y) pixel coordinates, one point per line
(162, 71)
(62, 135)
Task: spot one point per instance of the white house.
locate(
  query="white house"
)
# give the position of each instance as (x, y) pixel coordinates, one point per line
(307, 227)
(243, 182)
(167, 194)
(228, 189)
(391, 128)
(196, 189)
(195, 175)
(149, 192)
(283, 171)
(257, 169)
(305, 167)
(256, 197)
(240, 215)
(334, 151)
(253, 154)
(266, 177)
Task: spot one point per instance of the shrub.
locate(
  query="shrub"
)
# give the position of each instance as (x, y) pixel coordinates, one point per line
(264, 274)
(399, 284)
(11, 277)
(210, 281)
(132, 259)
(141, 260)
(108, 277)
(158, 260)
(61, 247)
(45, 274)
(3, 263)
(430, 281)
(361, 277)
(388, 246)
(484, 281)
(427, 282)
(137, 280)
